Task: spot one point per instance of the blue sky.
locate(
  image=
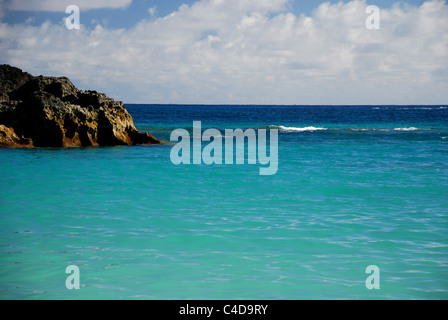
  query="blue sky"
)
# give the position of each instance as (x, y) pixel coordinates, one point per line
(236, 51)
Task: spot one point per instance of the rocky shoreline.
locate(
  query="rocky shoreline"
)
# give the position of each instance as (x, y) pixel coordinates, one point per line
(51, 112)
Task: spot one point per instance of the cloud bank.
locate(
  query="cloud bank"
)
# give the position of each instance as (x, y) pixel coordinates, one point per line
(249, 52)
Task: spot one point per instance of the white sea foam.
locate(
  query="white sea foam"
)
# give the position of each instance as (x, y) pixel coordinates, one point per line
(296, 129)
(422, 108)
(406, 129)
(311, 129)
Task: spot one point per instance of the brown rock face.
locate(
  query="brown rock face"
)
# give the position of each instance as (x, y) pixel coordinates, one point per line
(9, 138)
(52, 112)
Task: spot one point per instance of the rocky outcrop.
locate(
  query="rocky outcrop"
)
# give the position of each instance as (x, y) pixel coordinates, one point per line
(51, 112)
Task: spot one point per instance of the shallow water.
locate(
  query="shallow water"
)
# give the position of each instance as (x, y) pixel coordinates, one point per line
(356, 186)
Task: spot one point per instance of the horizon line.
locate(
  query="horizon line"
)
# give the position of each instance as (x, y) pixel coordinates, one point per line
(285, 105)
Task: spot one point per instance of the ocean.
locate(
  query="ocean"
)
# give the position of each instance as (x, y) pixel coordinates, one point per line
(356, 186)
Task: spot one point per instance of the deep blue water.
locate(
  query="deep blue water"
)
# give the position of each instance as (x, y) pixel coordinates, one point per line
(356, 186)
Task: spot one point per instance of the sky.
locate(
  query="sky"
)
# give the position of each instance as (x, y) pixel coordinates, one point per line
(236, 51)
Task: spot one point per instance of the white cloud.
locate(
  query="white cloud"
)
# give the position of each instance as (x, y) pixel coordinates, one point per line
(248, 51)
(153, 11)
(60, 5)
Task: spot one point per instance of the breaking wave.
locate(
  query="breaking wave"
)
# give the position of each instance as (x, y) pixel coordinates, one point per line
(296, 129)
(353, 129)
(407, 129)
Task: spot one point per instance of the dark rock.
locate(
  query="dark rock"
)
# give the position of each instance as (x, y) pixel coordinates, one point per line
(51, 112)
(11, 78)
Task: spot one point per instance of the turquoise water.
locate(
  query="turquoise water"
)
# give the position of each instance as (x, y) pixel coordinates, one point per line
(368, 188)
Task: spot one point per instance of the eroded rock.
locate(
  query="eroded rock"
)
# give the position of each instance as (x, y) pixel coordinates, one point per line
(51, 112)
